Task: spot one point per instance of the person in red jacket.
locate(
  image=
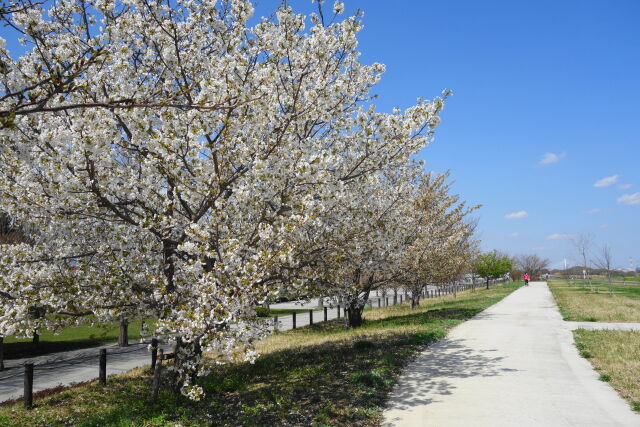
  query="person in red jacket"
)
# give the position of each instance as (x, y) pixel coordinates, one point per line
(526, 279)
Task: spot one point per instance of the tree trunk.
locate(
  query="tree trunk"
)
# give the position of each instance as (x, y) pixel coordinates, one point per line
(487, 283)
(355, 305)
(355, 308)
(354, 315)
(415, 299)
(123, 337)
(36, 313)
(178, 362)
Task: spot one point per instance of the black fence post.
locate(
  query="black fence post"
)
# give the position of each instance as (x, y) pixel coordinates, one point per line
(28, 385)
(154, 352)
(310, 317)
(325, 314)
(378, 302)
(386, 301)
(123, 336)
(103, 366)
(294, 319)
(275, 323)
(1, 353)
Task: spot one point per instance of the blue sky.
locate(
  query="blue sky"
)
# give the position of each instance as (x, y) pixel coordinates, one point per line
(529, 78)
(554, 78)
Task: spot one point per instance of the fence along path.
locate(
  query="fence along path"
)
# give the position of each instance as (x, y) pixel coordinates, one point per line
(67, 368)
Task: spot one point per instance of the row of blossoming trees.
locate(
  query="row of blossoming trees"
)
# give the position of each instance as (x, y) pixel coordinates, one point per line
(181, 161)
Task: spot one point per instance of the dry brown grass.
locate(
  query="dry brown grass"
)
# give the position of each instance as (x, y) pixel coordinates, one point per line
(581, 304)
(616, 355)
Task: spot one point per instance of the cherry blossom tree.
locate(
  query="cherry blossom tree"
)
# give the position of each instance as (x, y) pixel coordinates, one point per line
(442, 238)
(173, 158)
(363, 249)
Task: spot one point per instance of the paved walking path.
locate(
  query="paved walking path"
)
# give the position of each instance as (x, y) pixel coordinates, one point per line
(514, 364)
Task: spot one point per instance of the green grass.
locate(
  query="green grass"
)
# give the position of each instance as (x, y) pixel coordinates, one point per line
(320, 375)
(68, 339)
(579, 303)
(616, 356)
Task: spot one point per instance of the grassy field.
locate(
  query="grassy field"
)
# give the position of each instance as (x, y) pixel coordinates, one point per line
(581, 304)
(69, 339)
(616, 356)
(319, 376)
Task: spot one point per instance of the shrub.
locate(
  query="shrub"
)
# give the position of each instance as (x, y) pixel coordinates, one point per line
(262, 312)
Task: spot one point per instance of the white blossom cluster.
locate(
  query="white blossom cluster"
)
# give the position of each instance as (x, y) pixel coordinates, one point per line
(181, 164)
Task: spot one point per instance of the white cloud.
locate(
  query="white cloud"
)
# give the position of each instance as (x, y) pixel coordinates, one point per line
(558, 236)
(630, 199)
(517, 215)
(593, 211)
(606, 181)
(624, 186)
(549, 158)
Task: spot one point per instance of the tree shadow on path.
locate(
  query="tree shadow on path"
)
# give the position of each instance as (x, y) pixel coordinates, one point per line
(428, 376)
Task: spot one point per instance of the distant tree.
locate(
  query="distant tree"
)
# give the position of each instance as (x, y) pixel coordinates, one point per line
(492, 265)
(604, 261)
(583, 242)
(532, 264)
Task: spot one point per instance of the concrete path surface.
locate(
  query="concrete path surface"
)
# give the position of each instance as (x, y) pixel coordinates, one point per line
(514, 364)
